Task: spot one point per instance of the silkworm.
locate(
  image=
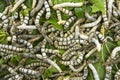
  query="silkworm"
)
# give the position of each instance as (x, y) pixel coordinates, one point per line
(8, 57)
(92, 23)
(16, 5)
(115, 52)
(28, 71)
(12, 71)
(37, 8)
(105, 18)
(69, 21)
(34, 64)
(47, 8)
(110, 3)
(34, 3)
(87, 15)
(68, 12)
(60, 21)
(78, 69)
(67, 4)
(26, 19)
(85, 73)
(90, 52)
(77, 32)
(76, 47)
(117, 74)
(10, 47)
(14, 77)
(108, 72)
(50, 2)
(23, 26)
(71, 36)
(5, 21)
(100, 36)
(97, 44)
(39, 14)
(94, 71)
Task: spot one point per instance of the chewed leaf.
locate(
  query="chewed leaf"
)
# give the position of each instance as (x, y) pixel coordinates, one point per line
(98, 5)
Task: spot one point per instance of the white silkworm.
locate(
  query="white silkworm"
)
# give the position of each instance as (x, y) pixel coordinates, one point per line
(37, 8)
(28, 71)
(77, 32)
(87, 15)
(108, 72)
(34, 64)
(85, 73)
(39, 14)
(68, 12)
(115, 52)
(60, 21)
(117, 74)
(47, 8)
(50, 2)
(8, 56)
(23, 26)
(92, 23)
(24, 6)
(12, 71)
(15, 77)
(110, 3)
(69, 21)
(67, 4)
(90, 52)
(78, 69)
(34, 3)
(95, 74)
(97, 43)
(16, 5)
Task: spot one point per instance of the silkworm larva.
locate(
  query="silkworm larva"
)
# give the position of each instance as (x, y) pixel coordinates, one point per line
(67, 4)
(97, 43)
(70, 37)
(95, 74)
(28, 44)
(47, 8)
(114, 25)
(92, 23)
(117, 74)
(69, 21)
(10, 47)
(100, 36)
(34, 3)
(12, 71)
(87, 15)
(66, 11)
(24, 6)
(90, 52)
(16, 5)
(16, 77)
(108, 72)
(78, 69)
(28, 71)
(50, 2)
(8, 56)
(37, 8)
(26, 19)
(85, 73)
(114, 52)
(34, 64)
(68, 56)
(6, 51)
(24, 26)
(105, 18)
(39, 14)
(60, 21)
(110, 3)
(77, 32)
(76, 47)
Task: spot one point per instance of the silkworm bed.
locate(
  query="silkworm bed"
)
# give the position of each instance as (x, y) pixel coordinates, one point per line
(44, 40)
